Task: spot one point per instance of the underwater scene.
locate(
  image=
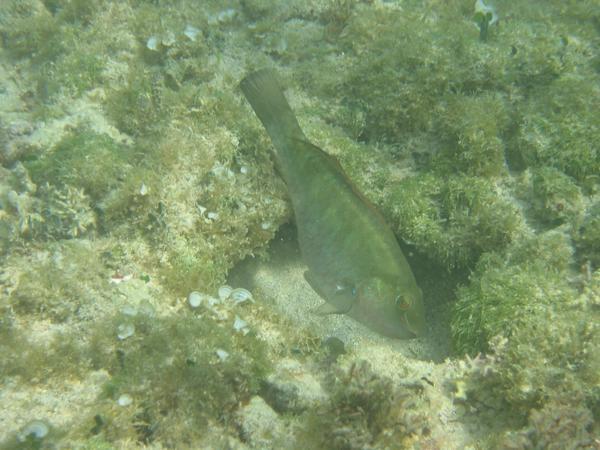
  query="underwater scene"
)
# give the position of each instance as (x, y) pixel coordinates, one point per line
(299, 224)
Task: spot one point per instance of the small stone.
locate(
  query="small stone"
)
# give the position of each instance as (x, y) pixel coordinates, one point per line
(260, 426)
(292, 388)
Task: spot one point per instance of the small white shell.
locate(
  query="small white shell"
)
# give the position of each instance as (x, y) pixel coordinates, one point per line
(222, 354)
(241, 295)
(152, 43)
(129, 310)
(191, 32)
(125, 400)
(195, 299)
(35, 428)
(225, 292)
(125, 330)
(213, 215)
(240, 325)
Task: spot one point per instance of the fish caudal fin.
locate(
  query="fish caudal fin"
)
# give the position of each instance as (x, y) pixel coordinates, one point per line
(266, 98)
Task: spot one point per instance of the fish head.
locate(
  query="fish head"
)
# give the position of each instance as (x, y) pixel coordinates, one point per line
(391, 309)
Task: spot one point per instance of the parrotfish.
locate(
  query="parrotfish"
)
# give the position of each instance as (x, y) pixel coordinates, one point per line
(354, 261)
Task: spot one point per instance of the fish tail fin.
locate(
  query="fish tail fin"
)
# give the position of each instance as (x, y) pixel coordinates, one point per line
(266, 98)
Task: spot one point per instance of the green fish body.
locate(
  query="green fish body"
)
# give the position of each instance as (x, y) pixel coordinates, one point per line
(354, 261)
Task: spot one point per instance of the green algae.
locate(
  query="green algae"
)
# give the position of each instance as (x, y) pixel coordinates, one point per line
(178, 386)
(364, 410)
(86, 159)
(453, 221)
(506, 292)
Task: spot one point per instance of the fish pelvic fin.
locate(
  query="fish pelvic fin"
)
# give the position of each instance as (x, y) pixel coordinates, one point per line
(264, 94)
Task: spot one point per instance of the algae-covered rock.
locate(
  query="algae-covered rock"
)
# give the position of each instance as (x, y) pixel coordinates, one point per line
(588, 236)
(508, 290)
(541, 338)
(559, 129)
(453, 220)
(260, 426)
(554, 197)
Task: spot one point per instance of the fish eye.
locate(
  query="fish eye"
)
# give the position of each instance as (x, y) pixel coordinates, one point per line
(403, 302)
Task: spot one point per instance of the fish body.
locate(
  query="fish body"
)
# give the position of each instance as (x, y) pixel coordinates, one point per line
(354, 261)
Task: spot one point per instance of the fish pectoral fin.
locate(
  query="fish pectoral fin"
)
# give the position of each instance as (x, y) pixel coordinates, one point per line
(336, 302)
(327, 308)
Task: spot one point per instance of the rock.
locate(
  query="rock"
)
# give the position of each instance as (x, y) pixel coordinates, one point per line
(260, 425)
(292, 388)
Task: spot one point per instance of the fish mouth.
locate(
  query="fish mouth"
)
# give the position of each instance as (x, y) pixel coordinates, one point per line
(397, 330)
(409, 327)
(389, 324)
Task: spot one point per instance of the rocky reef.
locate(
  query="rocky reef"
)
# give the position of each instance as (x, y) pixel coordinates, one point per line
(132, 174)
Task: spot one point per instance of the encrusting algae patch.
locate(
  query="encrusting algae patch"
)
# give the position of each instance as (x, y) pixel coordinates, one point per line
(133, 175)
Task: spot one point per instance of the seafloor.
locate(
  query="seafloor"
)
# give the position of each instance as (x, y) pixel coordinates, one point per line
(133, 174)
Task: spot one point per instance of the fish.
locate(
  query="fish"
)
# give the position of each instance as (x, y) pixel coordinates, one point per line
(354, 261)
